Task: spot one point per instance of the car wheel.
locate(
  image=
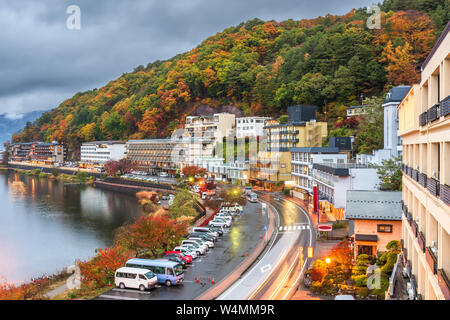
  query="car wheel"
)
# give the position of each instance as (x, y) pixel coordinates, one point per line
(121, 285)
(142, 287)
(168, 283)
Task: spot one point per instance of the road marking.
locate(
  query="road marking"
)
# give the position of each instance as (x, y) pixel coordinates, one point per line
(130, 290)
(116, 297)
(266, 268)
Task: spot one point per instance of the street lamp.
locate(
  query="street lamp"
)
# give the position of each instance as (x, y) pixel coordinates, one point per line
(328, 260)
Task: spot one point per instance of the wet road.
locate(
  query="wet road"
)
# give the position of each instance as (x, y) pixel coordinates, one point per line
(228, 253)
(278, 270)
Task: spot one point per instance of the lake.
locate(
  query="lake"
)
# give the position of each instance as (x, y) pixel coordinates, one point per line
(47, 225)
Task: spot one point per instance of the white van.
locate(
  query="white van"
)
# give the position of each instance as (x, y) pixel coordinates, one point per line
(135, 278)
(201, 244)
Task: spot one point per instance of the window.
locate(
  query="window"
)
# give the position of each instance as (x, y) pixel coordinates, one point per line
(386, 228)
(142, 277)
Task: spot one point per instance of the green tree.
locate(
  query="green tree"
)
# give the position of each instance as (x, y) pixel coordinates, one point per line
(370, 134)
(184, 204)
(390, 174)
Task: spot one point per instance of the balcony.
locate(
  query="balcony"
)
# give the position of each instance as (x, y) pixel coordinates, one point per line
(423, 179)
(415, 175)
(444, 283)
(422, 241)
(414, 227)
(445, 107)
(433, 186)
(433, 113)
(431, 259)
(423, 119)
(445, 193)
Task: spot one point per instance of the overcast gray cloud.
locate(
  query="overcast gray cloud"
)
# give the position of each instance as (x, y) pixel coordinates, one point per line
(42, 62)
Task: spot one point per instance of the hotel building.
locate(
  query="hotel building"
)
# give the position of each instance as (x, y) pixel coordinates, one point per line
(100, 152)
(424, 126)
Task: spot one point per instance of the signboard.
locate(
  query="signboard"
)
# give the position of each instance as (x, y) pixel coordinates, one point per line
(309, 252)
(315, 199)
(264, 206)
(325, 227)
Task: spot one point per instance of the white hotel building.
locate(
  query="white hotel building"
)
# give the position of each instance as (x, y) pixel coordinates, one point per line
(250, 126)
(100, 152)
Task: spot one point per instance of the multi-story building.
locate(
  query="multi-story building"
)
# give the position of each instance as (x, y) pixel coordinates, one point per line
(100, 152)
(333, 181)
(22, 151)
(250, 126)
(274, 160)
(377, 219)
(425, 129)
(47, 153)
(157, 155)
(302, 160)
(211, 127)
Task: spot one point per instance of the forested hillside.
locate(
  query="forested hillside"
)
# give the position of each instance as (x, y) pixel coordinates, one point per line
(261, 67)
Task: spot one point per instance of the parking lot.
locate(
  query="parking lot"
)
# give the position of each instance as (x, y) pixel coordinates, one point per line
(229, 251)
(149, 178)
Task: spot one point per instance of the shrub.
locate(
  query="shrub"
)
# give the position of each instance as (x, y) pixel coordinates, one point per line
(287, 192)
(82, 176)
(36, 172)
(338, 225)
(363, 292)
(55, 172)
(43, 175)
(103, 176)
(393, 245)
(360, 280)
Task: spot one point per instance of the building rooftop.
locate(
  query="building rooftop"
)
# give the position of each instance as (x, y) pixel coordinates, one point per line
(374, 205)
(397, 94)
(438, 43)
(105, 142)
(315, 149)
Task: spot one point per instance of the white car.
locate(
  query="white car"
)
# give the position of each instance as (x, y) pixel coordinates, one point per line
(224, 216)
(220, 219)
(206, 230)
(194, 248)
(199, 246)
(185, 250)
(216, 223)
(199, 242)
(210, 244)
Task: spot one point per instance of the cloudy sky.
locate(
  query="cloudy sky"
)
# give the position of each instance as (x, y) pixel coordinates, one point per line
(42, 62)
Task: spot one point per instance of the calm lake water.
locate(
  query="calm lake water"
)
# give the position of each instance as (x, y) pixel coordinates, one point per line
(46, 225)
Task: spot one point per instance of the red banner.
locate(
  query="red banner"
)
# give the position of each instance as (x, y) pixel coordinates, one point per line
(315, 199)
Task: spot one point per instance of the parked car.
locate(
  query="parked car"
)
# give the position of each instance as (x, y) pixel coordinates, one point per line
(217, 223)
(135, 278)
(183, 256)
(176, 258)
(201, 249)
(186, 251)
(206, 230)
(163, 174)
(197, 242)
(225, 221)
(203, 237)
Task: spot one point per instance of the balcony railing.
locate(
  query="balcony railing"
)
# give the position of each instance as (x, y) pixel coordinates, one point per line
(422, 241)
(433, 113)
(414, 227)
(415, 175)
(444, 283)
(423, 179)
(445, 193)
(423, 119)
(433, 186)
(445, 107)
(431, 259)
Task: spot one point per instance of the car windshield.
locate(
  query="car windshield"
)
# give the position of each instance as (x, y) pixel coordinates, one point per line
(178, 269)
(149, 275)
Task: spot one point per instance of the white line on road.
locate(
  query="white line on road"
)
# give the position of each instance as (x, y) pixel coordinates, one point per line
(117, 297)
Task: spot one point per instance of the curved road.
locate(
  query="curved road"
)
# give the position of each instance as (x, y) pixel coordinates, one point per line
(277, 273)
